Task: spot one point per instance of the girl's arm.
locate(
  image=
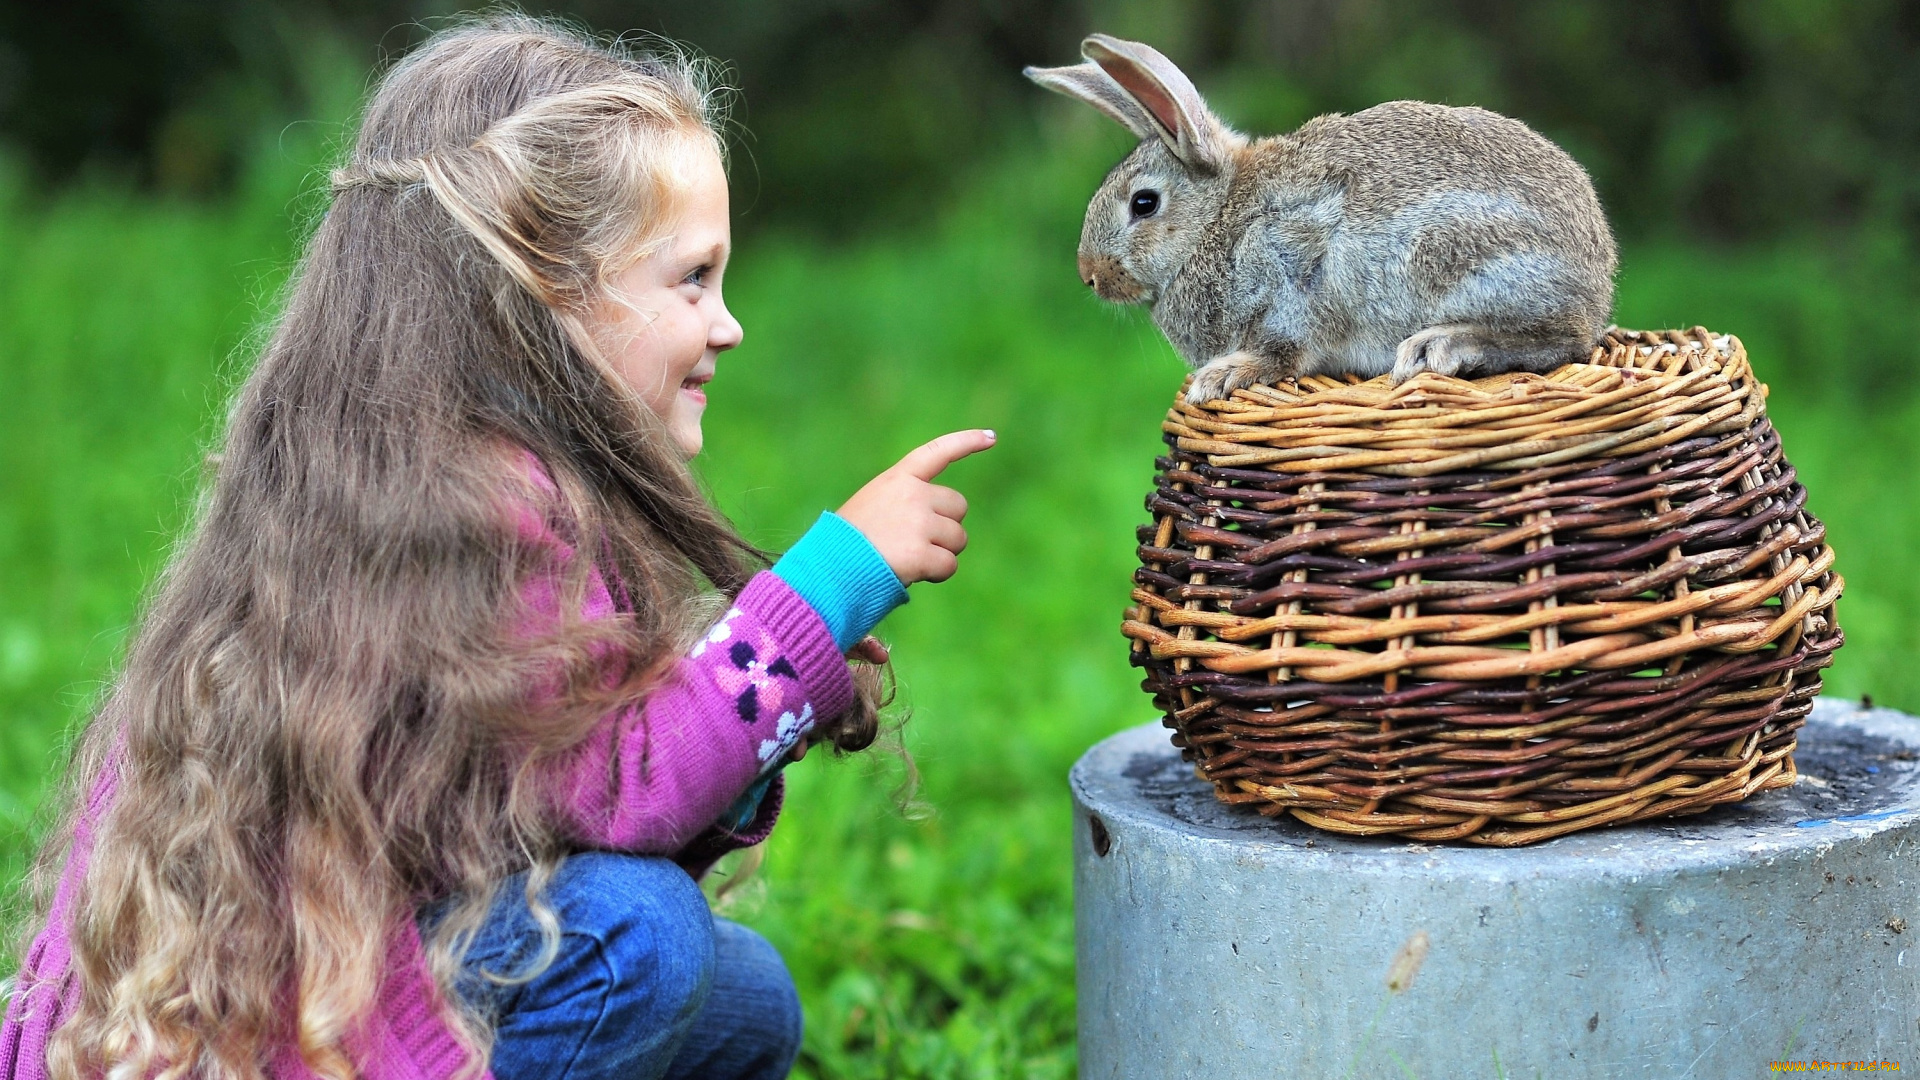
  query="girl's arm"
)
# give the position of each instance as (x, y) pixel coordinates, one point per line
(653, 774)
(853, 568)
(843, 580)
(847, 582)
(656, 774)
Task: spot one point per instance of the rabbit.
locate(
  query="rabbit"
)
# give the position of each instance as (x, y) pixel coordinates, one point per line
(1406, 237)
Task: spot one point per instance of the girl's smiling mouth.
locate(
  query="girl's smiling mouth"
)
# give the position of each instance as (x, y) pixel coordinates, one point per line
(694, 386)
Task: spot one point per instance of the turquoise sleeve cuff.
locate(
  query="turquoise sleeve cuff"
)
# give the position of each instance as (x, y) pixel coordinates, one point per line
(747, 806)
(836, 570)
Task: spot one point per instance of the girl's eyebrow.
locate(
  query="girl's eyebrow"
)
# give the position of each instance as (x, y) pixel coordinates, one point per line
(712, 256)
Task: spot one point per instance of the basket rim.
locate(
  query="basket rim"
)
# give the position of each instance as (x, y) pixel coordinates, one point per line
(1638, 391)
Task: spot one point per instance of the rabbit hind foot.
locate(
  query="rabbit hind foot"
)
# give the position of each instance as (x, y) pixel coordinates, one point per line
(1464, 349)
(1221, 376)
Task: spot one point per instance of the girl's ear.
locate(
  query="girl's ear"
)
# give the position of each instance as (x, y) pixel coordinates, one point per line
(1091, 85)
(1164, 93)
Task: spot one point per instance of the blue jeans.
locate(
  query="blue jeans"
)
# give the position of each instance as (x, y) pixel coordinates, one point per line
(647, 983)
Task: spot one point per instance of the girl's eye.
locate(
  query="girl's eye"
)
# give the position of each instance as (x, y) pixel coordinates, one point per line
(1145, 202)
(697, 277)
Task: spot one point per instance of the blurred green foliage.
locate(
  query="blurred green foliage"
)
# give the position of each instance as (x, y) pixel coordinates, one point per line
(925, 944)
(1728, 118)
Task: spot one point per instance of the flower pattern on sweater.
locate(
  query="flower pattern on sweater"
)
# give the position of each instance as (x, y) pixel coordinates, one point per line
(721, 631)
(787, 731)
(760, 679)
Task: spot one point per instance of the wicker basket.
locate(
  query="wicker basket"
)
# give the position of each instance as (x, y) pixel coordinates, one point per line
(1494, 611)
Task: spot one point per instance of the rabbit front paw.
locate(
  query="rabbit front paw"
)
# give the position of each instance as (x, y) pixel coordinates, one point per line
(1221, 376)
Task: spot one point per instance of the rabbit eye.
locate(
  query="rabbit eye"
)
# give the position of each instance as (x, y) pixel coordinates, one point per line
(1145, 202)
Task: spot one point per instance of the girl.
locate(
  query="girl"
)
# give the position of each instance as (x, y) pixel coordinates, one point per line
(430, 727)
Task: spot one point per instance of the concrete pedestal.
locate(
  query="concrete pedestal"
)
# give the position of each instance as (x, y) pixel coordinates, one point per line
(1217, 943)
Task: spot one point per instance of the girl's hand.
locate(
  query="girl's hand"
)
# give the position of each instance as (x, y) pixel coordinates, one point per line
(912, 522)
(871, 650)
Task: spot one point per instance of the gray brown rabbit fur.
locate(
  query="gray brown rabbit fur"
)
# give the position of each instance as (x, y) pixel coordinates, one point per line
(1402, 238)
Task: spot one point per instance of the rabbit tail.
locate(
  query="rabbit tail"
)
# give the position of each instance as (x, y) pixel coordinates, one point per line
(1466, 350)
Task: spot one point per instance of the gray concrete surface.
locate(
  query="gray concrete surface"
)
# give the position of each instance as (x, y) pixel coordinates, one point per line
(1216, 943)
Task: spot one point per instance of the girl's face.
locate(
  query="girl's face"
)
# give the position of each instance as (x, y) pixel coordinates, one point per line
(664, 324)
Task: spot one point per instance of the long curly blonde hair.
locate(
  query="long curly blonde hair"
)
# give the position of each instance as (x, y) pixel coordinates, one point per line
(323, 720)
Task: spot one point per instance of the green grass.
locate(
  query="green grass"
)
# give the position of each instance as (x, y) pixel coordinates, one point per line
(925, 945)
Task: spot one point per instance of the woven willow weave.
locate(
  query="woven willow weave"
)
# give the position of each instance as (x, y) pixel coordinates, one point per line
(1496, 610)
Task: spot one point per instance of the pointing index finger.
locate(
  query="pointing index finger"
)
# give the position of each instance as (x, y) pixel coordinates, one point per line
(931, 459)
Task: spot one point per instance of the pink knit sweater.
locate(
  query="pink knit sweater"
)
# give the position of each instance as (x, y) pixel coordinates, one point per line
(651, 779)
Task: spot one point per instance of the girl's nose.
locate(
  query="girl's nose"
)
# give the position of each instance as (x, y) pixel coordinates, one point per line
(726, 331)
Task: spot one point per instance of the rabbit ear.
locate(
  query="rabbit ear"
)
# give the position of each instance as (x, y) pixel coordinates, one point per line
(1180, 116)
(1091, 85)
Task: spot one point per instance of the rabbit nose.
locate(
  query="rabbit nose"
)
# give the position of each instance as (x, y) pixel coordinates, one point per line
(1107, 278)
